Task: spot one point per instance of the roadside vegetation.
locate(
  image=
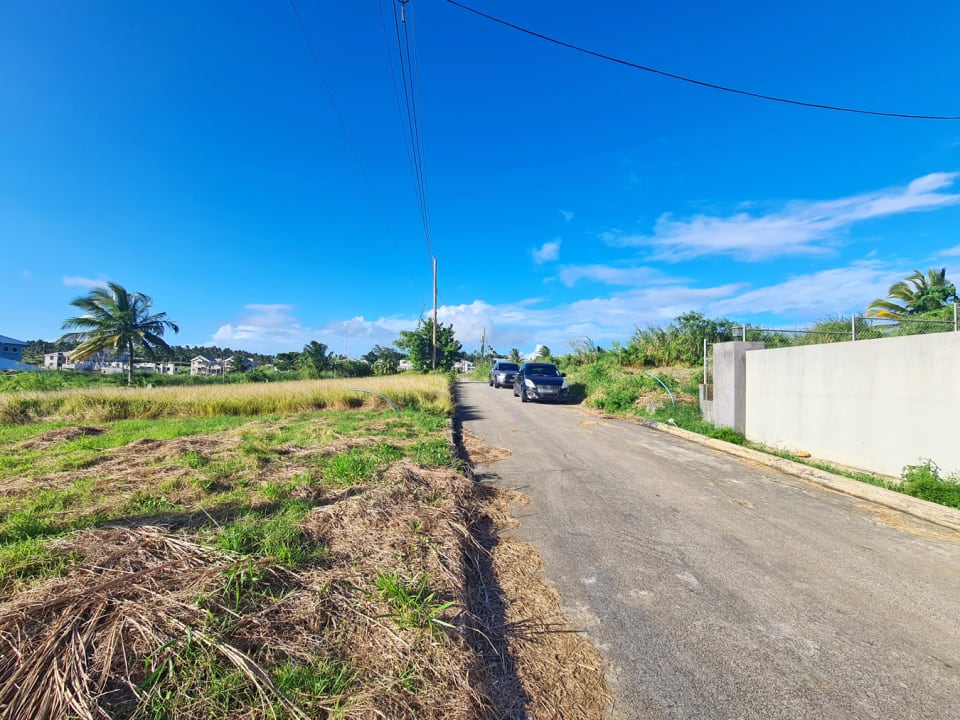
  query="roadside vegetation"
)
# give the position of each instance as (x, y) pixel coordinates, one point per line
(293, 550)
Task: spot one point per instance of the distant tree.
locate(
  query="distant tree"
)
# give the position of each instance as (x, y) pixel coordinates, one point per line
(515, 356)
(315, 358)
(287, 361)
(119, 321)
(388, 357)
(418, 345)
(543, 353)
(238, 363)
(915, 295)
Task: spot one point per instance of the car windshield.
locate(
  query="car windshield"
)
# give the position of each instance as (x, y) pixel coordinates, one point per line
(542, 371)
(507, 366)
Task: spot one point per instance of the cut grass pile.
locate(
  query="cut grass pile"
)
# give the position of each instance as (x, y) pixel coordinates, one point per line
(306, 565)
(429, 393)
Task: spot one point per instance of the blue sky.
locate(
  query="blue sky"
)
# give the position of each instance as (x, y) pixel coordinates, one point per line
(190, 151)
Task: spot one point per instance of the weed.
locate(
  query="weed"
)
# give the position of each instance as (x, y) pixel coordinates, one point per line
(323, 681)
(411, 603)
(276, 535)
(924, 481)
(195, 460)
(728, 435)
(144, 503)
(435, 452)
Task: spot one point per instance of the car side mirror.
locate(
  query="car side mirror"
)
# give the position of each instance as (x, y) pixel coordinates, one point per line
(563, 374)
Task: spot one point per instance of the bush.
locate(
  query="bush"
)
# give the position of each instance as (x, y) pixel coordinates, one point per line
(924, 481)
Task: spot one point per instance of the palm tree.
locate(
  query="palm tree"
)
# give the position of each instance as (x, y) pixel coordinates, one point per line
(515, 356)
(917, 294)
(118, 321)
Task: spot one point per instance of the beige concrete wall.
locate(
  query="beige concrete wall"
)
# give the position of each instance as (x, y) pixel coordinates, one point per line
(871, 404)
(729, 376)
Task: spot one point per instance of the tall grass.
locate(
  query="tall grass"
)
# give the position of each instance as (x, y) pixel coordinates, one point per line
(425, 392)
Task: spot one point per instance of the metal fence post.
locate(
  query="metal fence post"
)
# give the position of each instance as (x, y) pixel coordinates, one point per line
(853, 326)
(955, 316)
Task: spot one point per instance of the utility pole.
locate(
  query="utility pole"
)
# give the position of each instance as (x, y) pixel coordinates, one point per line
(434, 312)
(483, 345)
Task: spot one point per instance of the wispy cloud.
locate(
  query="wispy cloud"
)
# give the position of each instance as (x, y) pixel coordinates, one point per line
(547, 252)
(800, 228)
(608, 275)
(815, 296)
(951, 252)
(567, 215)
(77, 281)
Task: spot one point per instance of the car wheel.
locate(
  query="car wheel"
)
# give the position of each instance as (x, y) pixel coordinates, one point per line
(523, 395)
(496, 384)
(514, 389)
(490, 382)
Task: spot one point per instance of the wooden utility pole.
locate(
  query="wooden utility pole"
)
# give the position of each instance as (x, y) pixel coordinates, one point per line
(434, 313)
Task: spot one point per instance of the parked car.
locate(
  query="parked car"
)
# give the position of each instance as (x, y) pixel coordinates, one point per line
(540, 381)
(503, 373)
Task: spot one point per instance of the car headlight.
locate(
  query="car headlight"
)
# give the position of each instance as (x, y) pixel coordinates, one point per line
(563, 386)
(530, 383)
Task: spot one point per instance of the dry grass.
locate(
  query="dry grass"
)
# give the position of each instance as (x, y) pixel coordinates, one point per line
(426, 392)
(150, 616)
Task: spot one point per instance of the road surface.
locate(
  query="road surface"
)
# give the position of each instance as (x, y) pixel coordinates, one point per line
(718, 588)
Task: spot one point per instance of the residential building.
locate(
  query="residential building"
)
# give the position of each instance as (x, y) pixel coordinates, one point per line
(11, 349)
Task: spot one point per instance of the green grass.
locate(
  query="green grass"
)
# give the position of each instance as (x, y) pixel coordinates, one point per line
(412, 604)
(321, 683)
(273, 534)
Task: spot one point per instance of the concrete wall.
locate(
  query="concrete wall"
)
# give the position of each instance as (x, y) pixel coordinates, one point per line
(871, 404)
(729, 379)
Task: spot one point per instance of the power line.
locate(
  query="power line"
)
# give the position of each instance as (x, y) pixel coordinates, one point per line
(336, 110)
(694, 81)
(408, 68)
(343, 126)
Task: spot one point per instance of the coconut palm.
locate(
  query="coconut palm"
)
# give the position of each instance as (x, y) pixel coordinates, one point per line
(917, 294)
(119, 321)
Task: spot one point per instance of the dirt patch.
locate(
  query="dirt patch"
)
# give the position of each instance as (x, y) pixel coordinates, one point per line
(479, 453)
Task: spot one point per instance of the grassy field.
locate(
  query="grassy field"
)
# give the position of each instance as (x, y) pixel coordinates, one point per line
(240, 552)
(422, 392)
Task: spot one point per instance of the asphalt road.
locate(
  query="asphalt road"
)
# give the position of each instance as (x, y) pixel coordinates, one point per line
(719, 588)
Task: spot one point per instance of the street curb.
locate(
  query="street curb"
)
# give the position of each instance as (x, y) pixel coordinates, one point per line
(923, 509)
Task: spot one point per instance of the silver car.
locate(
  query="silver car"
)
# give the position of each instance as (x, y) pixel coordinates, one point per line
(503, 373)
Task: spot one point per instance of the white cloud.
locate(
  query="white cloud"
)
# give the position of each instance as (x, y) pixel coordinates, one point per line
(77, 281)
(274, 328)
(627, 276)
(951, 252)
(567, 215)
(800, 228)
(546, 252)
(815, 296)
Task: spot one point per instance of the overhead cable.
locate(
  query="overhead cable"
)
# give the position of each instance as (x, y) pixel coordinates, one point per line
(406, 51)
(694, 81)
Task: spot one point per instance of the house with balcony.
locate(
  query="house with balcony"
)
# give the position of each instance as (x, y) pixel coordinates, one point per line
(203, 365)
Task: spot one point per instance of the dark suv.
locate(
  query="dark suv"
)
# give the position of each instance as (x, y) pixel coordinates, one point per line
(503, 373)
